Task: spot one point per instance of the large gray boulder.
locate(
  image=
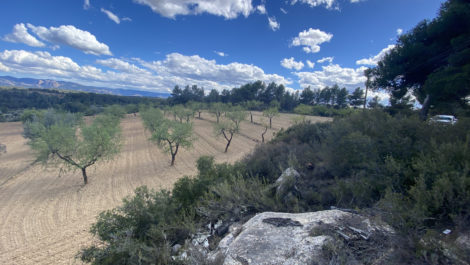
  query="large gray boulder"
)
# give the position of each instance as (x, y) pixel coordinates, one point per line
(304, 238)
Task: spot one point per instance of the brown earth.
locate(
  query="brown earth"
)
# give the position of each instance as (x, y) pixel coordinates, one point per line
(45, 214)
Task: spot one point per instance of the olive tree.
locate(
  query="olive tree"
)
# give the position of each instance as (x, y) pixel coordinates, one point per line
(73, 144)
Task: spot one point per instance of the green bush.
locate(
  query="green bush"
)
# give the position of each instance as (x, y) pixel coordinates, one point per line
(413, 174)
(139, 232)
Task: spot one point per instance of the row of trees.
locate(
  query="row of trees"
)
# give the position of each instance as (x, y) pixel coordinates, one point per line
(173, 134)
(71, 101)
(67, 140)
(431, 62)
(265, 94)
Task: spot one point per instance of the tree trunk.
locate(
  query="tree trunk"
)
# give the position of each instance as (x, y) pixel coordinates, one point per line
(173, 155)
(423, 114)
(229, 140)
(226, 147)
(85, 177)
(217, 118)
(199, 115)
(365, 99)
(270, 123)
(251, 115)
(262, 135)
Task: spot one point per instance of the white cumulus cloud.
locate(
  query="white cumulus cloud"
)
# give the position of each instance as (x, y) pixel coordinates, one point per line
(73, 37)
(328, 4)
(123, 66)
(314, 3)
(333, 74)
(292, 64)
(20, 34)
(226, 8)
(310, 64)
(375, 59)
(273, 24)
(399, 31)
(311, 40)
(326, 59)
(162, 75)
(261, 9)
(111, 15)
(200, 70)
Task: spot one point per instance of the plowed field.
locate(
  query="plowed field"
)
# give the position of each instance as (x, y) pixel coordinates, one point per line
(45, 214)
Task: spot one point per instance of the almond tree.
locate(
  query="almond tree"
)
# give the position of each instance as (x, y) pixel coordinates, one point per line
(251, 106)
(74, 145)
(196, 107)
(217, 109)
(227, 128)
(264, 131)
(271, 113)
(236, 115)
(172, 135)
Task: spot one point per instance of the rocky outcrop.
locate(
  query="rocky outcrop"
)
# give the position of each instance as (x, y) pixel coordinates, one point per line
(305, 238)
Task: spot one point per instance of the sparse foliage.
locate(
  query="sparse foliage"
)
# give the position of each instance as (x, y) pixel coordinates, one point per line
(217, 109)
(227, 128)
(237, 115)
(172, 135)
(252, 105)
(59, 139)
(271, 113)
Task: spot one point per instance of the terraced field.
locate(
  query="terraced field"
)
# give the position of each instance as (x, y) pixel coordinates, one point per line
(45, 214)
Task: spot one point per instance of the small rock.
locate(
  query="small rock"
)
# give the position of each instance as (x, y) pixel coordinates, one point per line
(175, 248)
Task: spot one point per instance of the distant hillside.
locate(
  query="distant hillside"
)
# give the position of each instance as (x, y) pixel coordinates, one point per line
(9, 81)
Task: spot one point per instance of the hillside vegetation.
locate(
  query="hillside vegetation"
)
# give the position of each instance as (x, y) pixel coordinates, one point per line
(414, 175)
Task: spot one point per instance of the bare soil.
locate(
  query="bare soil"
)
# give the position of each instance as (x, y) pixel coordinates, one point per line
(45, 214)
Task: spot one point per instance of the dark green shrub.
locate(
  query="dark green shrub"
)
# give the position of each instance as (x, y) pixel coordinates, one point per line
(139, 232)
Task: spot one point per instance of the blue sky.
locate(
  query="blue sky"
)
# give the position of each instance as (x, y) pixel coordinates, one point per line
(157, 44)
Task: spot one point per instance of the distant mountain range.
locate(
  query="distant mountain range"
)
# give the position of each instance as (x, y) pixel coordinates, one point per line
(9, 81)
